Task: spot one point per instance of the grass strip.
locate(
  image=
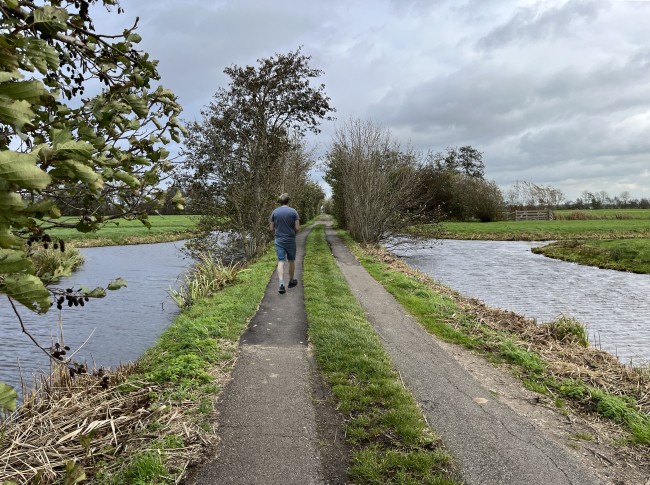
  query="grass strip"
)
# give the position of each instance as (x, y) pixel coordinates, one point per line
(440, 313)
(200, 344)
(390, 439)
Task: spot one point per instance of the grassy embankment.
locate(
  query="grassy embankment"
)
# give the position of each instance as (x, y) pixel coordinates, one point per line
(390, 440)
(608, 239)
(123, 231)
(552, 359)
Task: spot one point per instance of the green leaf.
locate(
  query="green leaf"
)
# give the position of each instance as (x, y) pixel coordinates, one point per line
(51, 19)
(9, 76)
(84, 227)
(42, 55)
(116, 284)
(77, 150)
(14, 261)
(86, 174)
(8, 398)
(21, 170)
(11, 203)
(43, 206)
(7, 238)
(11, 3)
(135, 38)
(128, 179)
(15, 113)
(31, 91)
(138, 104)
(28, 290)
(74, 473)
(98, 292)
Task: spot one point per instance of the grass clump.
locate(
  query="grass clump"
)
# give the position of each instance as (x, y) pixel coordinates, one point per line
(390, 439)
(567, 329)
(52, 264)
(207, 276)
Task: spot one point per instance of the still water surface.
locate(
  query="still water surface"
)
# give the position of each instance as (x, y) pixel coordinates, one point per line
(614, 305)
(117, 328)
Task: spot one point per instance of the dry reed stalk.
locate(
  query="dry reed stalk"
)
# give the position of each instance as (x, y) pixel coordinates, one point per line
(79, 421)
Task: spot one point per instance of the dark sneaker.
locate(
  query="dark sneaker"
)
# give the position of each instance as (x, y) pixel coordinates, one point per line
(282, 290)
(293, 283)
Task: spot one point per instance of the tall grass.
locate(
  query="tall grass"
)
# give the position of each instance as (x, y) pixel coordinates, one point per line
(52, 264)
(207, 276)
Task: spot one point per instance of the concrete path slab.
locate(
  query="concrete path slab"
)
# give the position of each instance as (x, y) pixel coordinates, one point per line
(267, 423)
(492, 443)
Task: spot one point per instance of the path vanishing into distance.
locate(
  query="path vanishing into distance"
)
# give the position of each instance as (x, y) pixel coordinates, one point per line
(274, 428)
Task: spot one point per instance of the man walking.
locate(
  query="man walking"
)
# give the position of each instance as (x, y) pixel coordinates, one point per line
(286, 224)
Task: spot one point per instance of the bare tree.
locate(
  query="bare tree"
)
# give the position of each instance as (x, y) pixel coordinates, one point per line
(373, 180)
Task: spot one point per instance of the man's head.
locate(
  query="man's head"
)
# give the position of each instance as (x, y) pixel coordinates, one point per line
(284, 199)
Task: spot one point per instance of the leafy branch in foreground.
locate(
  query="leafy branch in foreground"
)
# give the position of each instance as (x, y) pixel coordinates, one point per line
(98, 157)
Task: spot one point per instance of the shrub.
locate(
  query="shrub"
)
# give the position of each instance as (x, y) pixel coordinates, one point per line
(566, 329)
(51, 264)
(207, 276)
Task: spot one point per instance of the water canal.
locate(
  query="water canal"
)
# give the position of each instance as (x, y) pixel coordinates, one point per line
(108, 331)
(614, 305)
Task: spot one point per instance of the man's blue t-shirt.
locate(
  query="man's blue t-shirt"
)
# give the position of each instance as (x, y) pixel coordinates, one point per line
(284, 218)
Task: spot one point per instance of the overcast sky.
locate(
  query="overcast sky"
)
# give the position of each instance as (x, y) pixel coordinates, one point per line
(552, 92)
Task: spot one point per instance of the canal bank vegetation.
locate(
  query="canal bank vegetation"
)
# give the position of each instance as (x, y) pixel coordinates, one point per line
(144, 422)
(631, 255)
(390, 440)
(551, 359)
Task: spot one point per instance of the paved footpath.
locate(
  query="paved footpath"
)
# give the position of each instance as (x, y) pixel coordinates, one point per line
(492, 444)
(267, 422)
(268, 425)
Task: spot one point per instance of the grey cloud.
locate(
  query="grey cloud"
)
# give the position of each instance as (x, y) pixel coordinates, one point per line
(536, 22)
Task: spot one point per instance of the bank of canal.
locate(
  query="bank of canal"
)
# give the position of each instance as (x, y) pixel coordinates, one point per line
(506, 274)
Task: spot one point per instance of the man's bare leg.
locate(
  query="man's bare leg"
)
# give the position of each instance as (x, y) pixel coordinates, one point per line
(292, 270)
(281, 271)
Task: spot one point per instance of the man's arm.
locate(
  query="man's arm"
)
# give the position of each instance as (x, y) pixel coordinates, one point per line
(296, 225)
(271, 226)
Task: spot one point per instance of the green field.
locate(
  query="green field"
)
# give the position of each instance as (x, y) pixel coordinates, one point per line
(122, 231)
(537, 230)
(606, 213)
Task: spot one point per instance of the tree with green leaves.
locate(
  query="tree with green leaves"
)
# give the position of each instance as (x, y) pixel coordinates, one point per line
(237, 155)
(82, 127)
(466, 160)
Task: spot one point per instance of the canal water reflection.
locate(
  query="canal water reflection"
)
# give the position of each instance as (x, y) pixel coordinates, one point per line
(117, 328)
(614, 305)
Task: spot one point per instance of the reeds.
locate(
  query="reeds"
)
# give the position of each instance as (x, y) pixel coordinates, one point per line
(70, 431)
(207, 276)
(51, 264)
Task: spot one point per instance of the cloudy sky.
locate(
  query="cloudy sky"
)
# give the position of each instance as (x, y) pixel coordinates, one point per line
(552, 92)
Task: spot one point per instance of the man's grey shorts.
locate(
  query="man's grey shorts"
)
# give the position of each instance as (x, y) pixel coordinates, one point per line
(286, 250)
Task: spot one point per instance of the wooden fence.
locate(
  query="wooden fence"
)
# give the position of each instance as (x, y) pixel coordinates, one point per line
(527, 215)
